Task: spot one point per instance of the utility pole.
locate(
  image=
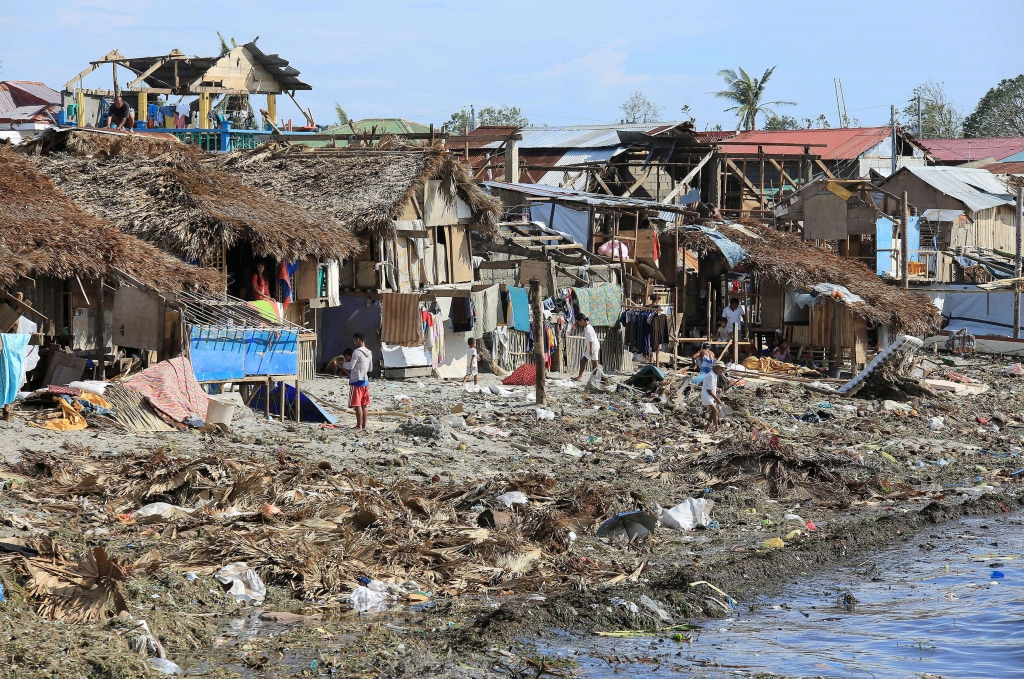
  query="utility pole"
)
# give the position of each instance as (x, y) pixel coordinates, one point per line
(905, 245)
(920, 127)
(538, 341)
(892, 124)
(1017, 262)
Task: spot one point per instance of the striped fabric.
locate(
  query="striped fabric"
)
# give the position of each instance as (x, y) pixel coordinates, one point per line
(401, 320)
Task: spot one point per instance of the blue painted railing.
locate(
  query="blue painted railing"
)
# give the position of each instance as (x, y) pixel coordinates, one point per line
(223, 138)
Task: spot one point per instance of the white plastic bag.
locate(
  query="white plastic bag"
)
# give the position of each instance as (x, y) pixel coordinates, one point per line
(166, 666)
(688, 514)
(245, 584)
(371, 597)
(545, 414)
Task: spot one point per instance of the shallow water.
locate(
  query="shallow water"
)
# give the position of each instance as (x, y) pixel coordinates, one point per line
(931, 608)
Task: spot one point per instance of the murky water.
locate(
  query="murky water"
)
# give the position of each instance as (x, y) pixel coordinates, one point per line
(948, 604)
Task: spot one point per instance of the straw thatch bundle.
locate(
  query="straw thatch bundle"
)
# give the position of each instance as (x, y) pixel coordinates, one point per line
(186, 206)
(789, 261)
(363, 189)
(43, 232)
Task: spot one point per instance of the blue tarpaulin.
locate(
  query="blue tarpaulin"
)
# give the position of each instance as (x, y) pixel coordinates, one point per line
(311, 410)
(223, 354)
(520, 304)
(732, 251)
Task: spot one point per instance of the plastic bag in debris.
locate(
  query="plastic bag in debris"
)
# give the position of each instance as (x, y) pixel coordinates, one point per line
(166, 666)
(545, 414)
(688, 514)
(936, 423)
(96, 387)
(402, 399)
(650, 409)
(1015, 369)
(161, 511)
(514, 497)
(453, 421)
(499, 390)
(245, 583)
(628, 525)
(652, 605)
(596, 382)
(570, 449)
(2, 599)
(373, 596)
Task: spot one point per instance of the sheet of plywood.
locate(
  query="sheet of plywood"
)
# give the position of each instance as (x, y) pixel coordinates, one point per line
(306, 279)
(461, 262)
(530, 269)
(64, 369)
(137, 318)
(825, 217)
(437, 212)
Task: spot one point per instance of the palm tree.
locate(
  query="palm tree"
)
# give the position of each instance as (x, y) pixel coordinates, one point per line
(747, 93)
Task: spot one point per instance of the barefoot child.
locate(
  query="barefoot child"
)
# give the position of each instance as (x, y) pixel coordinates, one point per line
(709, 394)
(472, 365)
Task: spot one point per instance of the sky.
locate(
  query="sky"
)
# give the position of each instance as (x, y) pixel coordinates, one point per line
(561, 62)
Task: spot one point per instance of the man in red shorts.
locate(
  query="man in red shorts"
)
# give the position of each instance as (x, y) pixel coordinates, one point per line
(358, 383)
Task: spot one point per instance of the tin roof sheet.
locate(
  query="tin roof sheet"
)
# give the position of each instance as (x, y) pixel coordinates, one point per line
(976, 188)
(845, 143)
(6, 100)
(583, 197)
(27, 92)
(583, 136)
(967, 150)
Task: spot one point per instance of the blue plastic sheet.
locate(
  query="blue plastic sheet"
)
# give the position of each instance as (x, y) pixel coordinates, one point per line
(520, 304)
(11, 360)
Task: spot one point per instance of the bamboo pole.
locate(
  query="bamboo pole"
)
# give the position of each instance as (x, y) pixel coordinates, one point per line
(538, 341)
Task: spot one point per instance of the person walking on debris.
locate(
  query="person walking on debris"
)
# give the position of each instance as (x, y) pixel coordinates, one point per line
(591, 346)
(704, 359)
(709, 394)
(733, 315)
(121, 115)
(358, 383)
(472, 363)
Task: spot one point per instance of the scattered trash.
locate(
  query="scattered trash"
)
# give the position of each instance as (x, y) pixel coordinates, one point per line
(2, 599)
(628, 524)
(1015, 370)
(158, 512)
(244, 583)
(572, 451)
(372, 596)
(936, 423)
(997, 575)
(650, 409)
(652, 605)
(688, 514)
(166, 666)
(773, 543)
(545, 414)
(896, 407)
(514, 497)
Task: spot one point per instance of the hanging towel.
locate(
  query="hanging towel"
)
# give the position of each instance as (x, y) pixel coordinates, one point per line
(486, 303)
(402, 322)
(519, 300)
(602, 304)
(12, 357)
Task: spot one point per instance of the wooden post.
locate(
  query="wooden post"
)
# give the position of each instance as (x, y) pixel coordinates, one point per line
(512, 161)
(905, 263)
(298, 401)
(143, 112)
(1017, 262)
(735, 342)
(281, 399)
(98, 320)
(675, 298)
(538, 341)
(711, 303)
(266, 398)
(80, 103)
(272, 109)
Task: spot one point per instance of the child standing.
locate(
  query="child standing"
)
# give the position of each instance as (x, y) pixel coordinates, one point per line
(472, 365)
(358, 381)
(709, 394)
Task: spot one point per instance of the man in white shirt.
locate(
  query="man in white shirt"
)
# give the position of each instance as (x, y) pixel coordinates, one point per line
(591, 346)
(358, 382)
(709, 394)
(733, 315)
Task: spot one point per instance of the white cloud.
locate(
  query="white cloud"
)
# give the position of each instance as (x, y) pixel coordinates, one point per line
(605, 66)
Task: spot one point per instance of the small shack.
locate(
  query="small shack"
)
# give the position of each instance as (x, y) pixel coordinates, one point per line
(835, 308)
(88, 287)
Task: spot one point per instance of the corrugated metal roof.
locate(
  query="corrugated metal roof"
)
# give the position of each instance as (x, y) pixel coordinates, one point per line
(27, 92)
(977, 189)
(582, 136)
(598, 199)
(25, 114)
(1006, 168)
(967, 150)
(577, 157)
(6, 100)
(845, 143)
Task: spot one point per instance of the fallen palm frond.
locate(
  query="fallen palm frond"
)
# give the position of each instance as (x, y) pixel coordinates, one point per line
(70, 592)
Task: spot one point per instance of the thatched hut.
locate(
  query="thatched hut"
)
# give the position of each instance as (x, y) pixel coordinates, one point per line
(791, 292)
(411, 207)
(58, 258)
(172, 196)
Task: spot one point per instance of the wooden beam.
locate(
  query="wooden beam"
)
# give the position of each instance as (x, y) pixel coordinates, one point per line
(603, 185)
(782, 172)
(750, 143)
(828, 172)
(643, 177)
(746, 182)
(469, 138)
(686, 180)
(148, 72)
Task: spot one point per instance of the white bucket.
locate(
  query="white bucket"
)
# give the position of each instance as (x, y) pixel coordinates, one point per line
(220, 412)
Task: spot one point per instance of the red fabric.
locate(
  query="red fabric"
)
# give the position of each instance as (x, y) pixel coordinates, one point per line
(524, 375)
(657, 245)
(428, 318)
(171, 387)
(260, 287)
(358, 396)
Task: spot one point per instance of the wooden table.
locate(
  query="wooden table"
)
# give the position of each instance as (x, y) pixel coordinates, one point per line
(250, 382)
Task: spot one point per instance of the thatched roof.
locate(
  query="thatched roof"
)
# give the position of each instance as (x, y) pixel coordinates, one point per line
(789, 261)
(42, 232)
(363, 189)
(169, 194)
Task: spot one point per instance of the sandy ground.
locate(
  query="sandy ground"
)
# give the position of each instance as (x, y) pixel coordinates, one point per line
(866, 476)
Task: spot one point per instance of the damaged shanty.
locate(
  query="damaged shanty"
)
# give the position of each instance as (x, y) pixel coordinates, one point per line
(834, 308)
(62, 266)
